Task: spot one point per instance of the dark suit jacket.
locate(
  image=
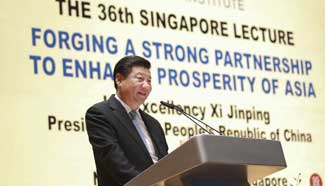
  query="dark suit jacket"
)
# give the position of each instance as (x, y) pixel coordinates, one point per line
(118, 149)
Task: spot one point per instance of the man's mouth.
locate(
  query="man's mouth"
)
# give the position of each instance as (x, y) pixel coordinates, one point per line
(142, 93)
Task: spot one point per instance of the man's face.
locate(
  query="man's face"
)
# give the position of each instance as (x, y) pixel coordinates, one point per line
(136, 87)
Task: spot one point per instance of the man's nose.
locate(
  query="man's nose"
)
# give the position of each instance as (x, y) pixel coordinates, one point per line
(146, 84)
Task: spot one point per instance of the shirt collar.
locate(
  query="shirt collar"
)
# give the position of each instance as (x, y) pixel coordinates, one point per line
(126, 107)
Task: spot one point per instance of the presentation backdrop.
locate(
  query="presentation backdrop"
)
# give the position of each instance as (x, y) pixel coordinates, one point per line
(249, 68)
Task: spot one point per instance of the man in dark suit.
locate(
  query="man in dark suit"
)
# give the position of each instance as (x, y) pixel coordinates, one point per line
(125, 140)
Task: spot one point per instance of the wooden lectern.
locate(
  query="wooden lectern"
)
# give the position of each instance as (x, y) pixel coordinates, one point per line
(209, 160)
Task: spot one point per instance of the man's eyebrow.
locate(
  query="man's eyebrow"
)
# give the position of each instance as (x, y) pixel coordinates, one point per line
(142, 73)
(139, 73)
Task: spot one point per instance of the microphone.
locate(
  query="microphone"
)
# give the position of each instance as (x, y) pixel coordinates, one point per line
(192, 118)
(169, 105)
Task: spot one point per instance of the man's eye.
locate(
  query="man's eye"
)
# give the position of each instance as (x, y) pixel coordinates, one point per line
(139, 78)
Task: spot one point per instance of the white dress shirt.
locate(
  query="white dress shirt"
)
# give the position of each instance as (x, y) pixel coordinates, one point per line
(142, 130)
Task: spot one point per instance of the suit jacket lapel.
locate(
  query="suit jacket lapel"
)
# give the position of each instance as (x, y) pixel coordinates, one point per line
(125, 120)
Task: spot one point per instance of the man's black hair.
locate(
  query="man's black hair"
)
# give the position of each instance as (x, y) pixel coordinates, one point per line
(124, 66)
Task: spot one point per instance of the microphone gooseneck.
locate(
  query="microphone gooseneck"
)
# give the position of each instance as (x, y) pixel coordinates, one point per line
(192, 118)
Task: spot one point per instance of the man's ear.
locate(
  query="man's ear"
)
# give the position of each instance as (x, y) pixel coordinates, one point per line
(118, 79)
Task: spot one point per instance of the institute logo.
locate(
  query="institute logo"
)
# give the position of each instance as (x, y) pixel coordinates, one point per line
(315, 180)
